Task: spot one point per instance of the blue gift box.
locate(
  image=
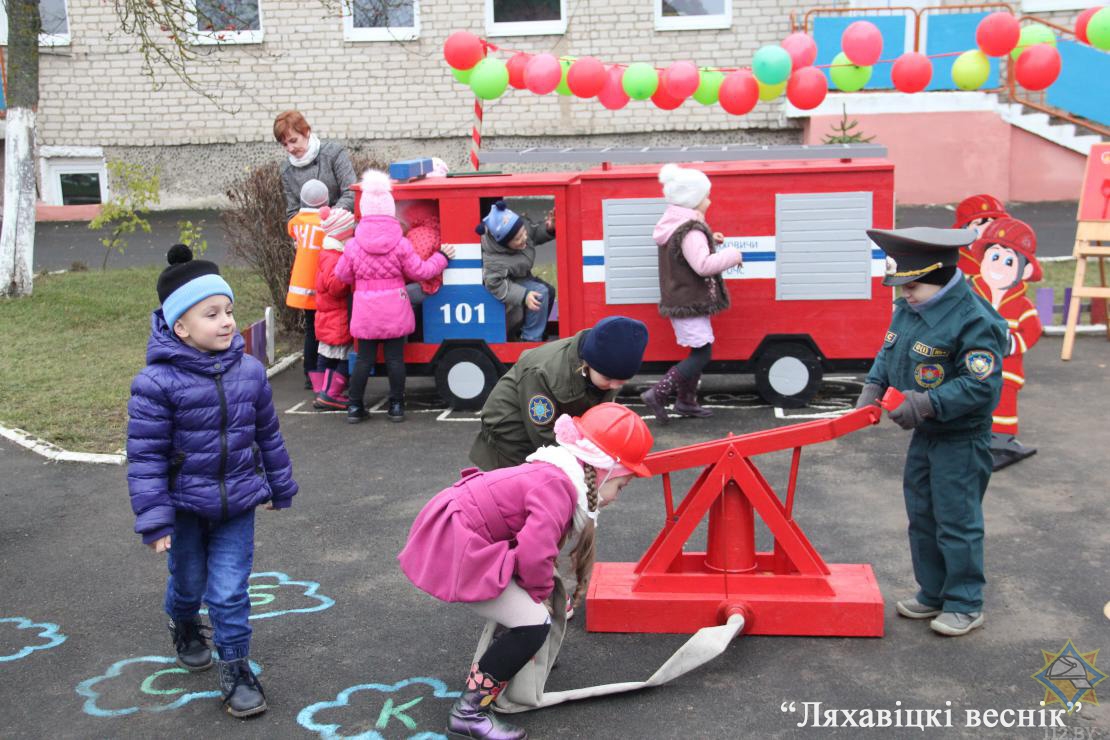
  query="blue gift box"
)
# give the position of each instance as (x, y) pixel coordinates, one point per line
(410, 169)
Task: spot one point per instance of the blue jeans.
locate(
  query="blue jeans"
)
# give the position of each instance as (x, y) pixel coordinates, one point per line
(212, 560)
(536, 321)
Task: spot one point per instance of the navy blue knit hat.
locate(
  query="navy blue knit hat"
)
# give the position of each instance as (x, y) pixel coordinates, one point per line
(501, 223)
(615, 347)
(187, 282)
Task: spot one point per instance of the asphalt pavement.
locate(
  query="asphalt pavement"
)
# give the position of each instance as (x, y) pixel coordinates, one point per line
(60, 244)
(347, 647)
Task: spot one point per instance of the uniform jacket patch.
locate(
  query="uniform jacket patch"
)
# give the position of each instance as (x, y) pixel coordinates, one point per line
(980, 363)
(541, 410)
(926, 351)
(928, 374)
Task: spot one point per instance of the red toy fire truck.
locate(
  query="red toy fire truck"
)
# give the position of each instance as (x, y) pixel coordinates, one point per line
(807, 299)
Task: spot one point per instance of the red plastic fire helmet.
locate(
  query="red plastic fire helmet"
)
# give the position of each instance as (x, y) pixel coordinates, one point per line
(976, 207)
(1012, 234)
(620, 433)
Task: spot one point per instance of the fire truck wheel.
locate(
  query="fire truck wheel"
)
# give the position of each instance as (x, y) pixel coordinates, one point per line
(464, 377)
(788, 374)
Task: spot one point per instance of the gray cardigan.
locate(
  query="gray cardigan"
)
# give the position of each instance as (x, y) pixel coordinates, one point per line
(332, 167)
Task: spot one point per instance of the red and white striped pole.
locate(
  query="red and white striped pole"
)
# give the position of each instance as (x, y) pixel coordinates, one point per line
(476, 135)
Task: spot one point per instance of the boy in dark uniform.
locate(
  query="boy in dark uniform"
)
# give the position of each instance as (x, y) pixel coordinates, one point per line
(944, 352)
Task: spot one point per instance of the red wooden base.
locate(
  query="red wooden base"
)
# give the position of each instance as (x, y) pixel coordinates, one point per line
(844, 603)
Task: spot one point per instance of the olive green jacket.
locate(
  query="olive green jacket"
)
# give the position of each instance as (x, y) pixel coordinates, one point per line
(519, 416)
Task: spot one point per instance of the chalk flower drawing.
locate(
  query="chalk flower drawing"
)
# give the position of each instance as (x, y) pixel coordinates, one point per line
(268, 592)
(390, 711)
(50, 634)
(161, 681)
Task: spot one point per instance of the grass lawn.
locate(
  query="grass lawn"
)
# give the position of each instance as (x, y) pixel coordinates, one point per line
(71, 349)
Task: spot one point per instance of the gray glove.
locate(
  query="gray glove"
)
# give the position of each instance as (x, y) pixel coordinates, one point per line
(913, 411)
(870, 396)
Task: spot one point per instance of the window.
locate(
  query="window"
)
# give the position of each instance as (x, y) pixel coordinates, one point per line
(381, 20)
(525, 17)
(226, 21)
(73, 176)
(55, 23)
(684, 15)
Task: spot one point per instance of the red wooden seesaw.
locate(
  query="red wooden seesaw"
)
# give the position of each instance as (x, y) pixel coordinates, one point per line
(789, 591)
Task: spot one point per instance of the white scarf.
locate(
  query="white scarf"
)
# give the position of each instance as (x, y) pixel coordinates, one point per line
(310, 154)
(569, 464)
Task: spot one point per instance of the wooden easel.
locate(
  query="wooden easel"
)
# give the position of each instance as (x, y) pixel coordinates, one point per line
(1092, 239)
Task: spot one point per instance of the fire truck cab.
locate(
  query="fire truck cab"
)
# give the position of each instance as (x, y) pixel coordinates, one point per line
(808, 298)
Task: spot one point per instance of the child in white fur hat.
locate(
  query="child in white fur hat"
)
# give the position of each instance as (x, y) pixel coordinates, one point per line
(690, 286)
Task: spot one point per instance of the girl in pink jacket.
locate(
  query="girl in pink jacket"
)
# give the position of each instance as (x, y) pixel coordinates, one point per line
(491, 540)
(690, 286)
(378, 262)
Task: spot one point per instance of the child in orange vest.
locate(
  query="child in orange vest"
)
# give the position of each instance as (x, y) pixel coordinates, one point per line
(304, 229)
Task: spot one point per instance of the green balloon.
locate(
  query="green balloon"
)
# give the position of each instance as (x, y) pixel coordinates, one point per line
(640, 81)
(462, 75)
(847, 76)
(489, 78)
(1037, 34)
(971, 70)
(709, 87)
(1098, 30)
(771, 65)
(562, 88)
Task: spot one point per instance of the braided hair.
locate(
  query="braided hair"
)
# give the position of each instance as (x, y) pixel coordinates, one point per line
(584, 553)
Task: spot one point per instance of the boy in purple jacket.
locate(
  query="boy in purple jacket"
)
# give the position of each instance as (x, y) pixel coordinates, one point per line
(203, 450)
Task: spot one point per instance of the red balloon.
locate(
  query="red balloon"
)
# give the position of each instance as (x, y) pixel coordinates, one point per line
(463, 50)
(802, 49)
(912, 72)
(1038, 67)
(586, 77)
(542, 74)
(679, 80)
(862, 43)
(739, 92)
(807, 88)
(664, 100)
(612, 94)
(1082, 21)
(998, 34)
(516, 64)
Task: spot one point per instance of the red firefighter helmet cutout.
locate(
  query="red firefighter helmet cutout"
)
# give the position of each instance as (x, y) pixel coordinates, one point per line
(1012, 234)
(978, 206)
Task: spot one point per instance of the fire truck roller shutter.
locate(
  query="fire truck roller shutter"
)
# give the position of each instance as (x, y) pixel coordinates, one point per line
(465, 374)
(788, 373)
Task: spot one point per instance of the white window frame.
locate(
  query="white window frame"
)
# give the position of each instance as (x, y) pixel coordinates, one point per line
(382, 33)
(527, 28)
(66, 160)
(1044, 6)
(45, 39)
(692, 22)
(214, 38)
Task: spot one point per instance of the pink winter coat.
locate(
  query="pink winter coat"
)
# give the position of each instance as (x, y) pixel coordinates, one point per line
(471, 539)
(378, 262)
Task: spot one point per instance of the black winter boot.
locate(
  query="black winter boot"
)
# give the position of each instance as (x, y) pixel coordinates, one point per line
(396, 410)
(687, 402)
(243, 695)
(357, 413)
(659, 395)
(471, 716)
(193, 653)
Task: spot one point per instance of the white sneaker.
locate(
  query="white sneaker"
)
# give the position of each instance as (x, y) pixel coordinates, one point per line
(954, 624)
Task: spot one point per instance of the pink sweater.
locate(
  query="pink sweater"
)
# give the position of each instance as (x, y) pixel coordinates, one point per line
(470, 540)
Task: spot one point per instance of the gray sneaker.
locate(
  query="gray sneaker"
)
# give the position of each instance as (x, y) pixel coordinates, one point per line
(914, 609)
(954, 624)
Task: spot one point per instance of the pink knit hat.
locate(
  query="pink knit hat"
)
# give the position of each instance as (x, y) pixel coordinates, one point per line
(338, 223)
(375, 199)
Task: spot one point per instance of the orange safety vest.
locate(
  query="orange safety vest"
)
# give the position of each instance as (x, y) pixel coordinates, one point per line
(309, 237)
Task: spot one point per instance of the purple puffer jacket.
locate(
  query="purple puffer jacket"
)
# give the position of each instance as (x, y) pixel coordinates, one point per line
(378, 262)
(202, 435)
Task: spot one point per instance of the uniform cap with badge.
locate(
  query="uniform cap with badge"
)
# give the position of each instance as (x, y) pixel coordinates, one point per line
(916, 254)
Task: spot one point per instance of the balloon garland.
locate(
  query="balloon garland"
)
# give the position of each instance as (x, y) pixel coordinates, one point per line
(775, 68)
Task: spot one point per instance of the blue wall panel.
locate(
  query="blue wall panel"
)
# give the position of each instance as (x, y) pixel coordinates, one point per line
(1083, 87)
(946, 32)
(827, 31)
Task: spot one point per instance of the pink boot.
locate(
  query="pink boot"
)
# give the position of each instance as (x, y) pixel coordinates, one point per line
(317, 379)
(334, 395)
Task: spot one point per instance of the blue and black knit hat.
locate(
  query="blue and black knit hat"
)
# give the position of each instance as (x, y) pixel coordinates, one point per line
(501, 223)
(187, 282)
